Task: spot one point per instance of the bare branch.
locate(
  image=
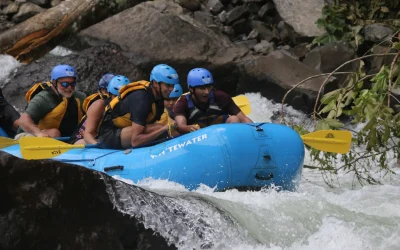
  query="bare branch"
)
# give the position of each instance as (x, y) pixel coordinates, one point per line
(390, 76)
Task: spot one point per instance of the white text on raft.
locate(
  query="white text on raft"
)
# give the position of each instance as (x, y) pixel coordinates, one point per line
(181, 145)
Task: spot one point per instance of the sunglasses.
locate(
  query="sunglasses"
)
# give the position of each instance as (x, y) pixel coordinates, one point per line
(67, 84)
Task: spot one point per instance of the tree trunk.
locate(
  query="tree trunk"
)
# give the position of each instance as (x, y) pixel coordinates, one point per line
(38, 35)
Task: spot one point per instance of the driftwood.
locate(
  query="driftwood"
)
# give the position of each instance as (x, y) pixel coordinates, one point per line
(36, 36)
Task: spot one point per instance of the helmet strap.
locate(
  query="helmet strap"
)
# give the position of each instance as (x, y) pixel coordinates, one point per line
(56, 87)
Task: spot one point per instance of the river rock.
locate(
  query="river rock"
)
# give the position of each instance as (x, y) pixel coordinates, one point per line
(26, 11)
(52, 205)
(273, 75)
(161, 34)
(377, 32)
(301, 15)
(90, 64)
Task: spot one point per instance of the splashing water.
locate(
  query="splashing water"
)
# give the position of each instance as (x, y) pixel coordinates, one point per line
(314, 217)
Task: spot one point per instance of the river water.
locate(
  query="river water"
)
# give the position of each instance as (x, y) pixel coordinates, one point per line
(314, 217)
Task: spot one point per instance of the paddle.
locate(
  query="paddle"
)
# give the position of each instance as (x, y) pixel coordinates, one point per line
(243, 103)
(6, 142)
(48, 148)
(335, 141)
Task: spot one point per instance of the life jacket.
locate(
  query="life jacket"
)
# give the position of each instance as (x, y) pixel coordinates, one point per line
(53, 118)
(91, 99)
(124, 120)
(203, 118)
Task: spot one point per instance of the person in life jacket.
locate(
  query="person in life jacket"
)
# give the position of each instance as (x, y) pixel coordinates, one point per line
(94, 106)
(9, 117)
(130, 119)
(168, 116)
(56, 110)
(204, 106)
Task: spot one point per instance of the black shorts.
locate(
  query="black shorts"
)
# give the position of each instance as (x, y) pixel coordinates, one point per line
(111, 139)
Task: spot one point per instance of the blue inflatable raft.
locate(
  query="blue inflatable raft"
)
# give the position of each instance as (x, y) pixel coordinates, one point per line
(224, 156)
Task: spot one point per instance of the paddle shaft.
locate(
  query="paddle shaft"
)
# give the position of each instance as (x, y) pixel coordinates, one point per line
(327, 140)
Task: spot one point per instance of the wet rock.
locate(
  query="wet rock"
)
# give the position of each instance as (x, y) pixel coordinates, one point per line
(55, 2)
(301, 15)
(377, 32)
(252, 35)
(235, 14)
(325, 58)
(253, 7)
(377, 62)
(204, 17)
(12, 8)
(161, 35)
(249, 44)
(264, 32)
(4, 3)
(90, 64)
(264, 47)
(222, 16)
(51, 205)
(265, 9)
(4, 23)
(39, 2)
(300, 50)
(286, 33)
(241, 26)
(273, 75)
(215, 6)
(192, 5)
(26, 11)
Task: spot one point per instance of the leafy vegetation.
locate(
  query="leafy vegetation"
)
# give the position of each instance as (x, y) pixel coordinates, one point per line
(345, 19)
(366, 100)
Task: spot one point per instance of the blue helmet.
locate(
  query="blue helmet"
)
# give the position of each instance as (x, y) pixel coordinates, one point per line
(164, 73)
(105, 79)
(176, 92)
(116, 83)
(198, 77)
(63, 70)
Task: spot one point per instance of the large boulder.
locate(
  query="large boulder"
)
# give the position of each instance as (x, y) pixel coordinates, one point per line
(154, 32)
(273, 75)
(325, 58)
(51, 205)
(90, 64)
(301, 15)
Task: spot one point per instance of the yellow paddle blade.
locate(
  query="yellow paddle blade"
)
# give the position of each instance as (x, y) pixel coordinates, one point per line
(6, 142)
(335, 141)
(243, 103)
(33, 148)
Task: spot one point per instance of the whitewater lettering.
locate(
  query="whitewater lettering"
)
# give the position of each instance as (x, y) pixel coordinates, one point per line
(181, 145)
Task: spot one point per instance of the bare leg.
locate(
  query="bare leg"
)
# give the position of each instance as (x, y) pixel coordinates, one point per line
(81, 141)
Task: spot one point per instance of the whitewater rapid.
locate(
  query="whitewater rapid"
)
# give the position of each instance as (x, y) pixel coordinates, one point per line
(314, 217)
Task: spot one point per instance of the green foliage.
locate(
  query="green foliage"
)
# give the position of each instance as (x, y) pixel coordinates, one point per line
(364, 102)
(345, 19)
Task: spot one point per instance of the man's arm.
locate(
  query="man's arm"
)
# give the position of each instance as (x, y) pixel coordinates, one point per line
(36, 110)
(182, 125)
(139, 137)
(243, 118)
(27, 124)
